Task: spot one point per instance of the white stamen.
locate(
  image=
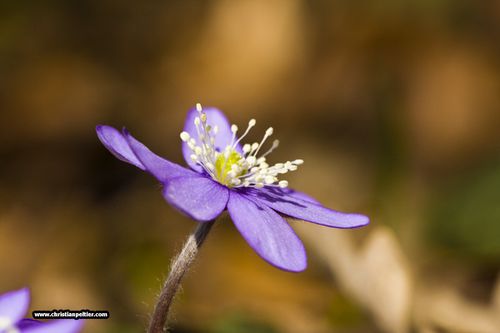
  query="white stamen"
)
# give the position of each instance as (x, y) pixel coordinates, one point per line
(229, 167)
(251, 124)
(275, 145)
(269, 132)
(234, 129)
(185, 136)
(269, 180)
(255, 145)
(251, 160)
(283, 183)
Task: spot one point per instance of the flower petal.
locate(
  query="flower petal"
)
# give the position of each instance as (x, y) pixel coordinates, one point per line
(14, 304)
(295, 205)
(116, 143)
(27, 323)
(295, 194)
(56, 326)
(267, 233)
(215, 117)
(160, 168)
(197, 196)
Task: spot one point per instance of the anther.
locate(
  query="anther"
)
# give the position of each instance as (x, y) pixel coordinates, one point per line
(185, 136)
(273, 147)
(251, 124)
(269, 132)
(269, 180)
(283, 183)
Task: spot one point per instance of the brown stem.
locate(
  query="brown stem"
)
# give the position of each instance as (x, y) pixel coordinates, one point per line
(179, 267)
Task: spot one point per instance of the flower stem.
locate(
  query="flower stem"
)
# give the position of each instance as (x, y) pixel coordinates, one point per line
(179, 267)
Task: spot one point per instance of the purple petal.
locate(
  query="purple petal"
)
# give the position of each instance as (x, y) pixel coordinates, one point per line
(159, 167)
(15, 304)
(56, 326)
(199, 197)
(27, 323)
(267, 233)
(295, 206)
(116, 143)
(214, 118)
(296, 194)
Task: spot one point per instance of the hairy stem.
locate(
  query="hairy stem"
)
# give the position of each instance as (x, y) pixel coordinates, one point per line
(180, 266)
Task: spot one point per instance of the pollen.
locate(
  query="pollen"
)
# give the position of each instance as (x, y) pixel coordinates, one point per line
(229, 166)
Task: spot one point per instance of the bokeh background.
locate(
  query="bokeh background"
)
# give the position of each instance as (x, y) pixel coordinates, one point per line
(393, 105)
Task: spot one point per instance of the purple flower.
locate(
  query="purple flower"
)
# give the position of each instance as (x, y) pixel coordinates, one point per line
(227, 175)
(14, 306)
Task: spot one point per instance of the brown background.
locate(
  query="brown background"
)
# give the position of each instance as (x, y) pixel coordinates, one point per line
(393, 105)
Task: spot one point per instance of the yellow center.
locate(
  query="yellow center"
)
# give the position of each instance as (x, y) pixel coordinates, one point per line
(224, 165)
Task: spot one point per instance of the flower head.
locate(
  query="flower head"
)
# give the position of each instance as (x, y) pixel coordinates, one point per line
(13, 307)
(224, 174)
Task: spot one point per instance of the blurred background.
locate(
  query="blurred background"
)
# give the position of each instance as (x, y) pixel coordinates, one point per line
(393, 105)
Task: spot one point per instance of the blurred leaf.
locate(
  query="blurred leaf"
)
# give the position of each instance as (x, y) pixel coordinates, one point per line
(466, 216)
(344, 313)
